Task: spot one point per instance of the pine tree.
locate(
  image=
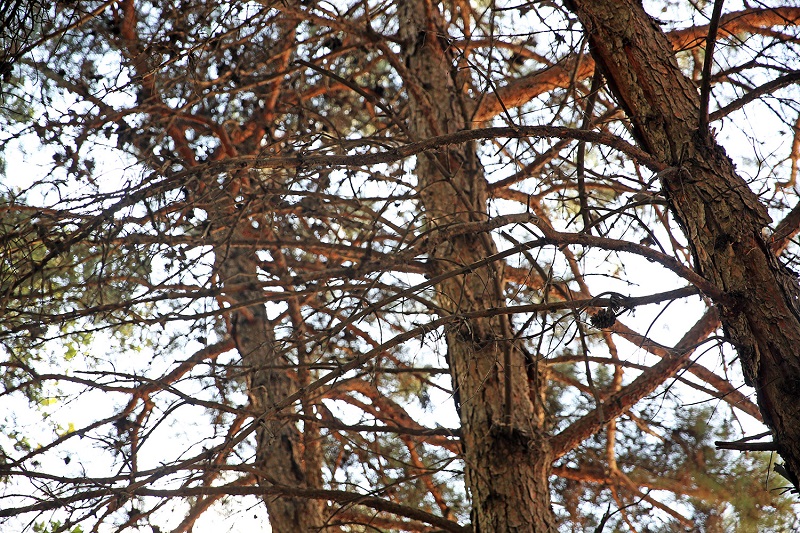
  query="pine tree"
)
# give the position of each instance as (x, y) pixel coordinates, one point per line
(397, 266)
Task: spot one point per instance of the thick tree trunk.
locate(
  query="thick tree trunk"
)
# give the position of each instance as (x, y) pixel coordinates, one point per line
(507, 456)
(721, 216)
(279, 451)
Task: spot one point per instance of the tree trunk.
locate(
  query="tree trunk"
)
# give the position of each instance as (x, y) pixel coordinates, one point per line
(279, 452)
(507, 456)
(721, 217)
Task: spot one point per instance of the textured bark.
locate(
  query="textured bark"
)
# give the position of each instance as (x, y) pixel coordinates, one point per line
(279, 452)
(507, 457)
(721, 217)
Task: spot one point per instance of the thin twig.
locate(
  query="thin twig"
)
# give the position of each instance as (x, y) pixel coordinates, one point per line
(705, 87)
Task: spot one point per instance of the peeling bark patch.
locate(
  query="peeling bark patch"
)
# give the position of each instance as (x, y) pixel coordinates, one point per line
(791, 386)
(510, 438)
(288, 447)
(750, 363)
(468, 333)
(722, 241)
(737, 302)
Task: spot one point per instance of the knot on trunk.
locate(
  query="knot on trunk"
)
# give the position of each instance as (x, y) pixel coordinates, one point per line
(510, 437)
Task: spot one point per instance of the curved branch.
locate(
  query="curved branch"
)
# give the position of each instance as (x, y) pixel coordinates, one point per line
(758, 92)
(640, 387)
(391, 155)
(522, 90)
(339, 496)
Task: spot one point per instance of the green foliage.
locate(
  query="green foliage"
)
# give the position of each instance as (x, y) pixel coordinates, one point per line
(55, 526)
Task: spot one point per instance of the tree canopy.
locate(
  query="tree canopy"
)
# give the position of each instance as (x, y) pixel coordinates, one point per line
(399, 266)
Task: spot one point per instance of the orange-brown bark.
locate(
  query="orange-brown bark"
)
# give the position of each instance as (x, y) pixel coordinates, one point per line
(721, 217)
(506, 454)
(522, 90)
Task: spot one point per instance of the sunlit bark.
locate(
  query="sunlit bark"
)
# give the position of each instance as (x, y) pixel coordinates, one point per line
(506, 453)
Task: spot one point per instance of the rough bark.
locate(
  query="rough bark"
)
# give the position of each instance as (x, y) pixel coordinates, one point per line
(507, 456)
(721, 217)
(279, 451)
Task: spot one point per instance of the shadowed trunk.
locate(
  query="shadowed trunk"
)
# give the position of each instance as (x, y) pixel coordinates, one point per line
(279, 450)
(721, 217)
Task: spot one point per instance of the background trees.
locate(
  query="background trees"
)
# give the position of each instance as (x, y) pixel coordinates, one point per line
(396, 265)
